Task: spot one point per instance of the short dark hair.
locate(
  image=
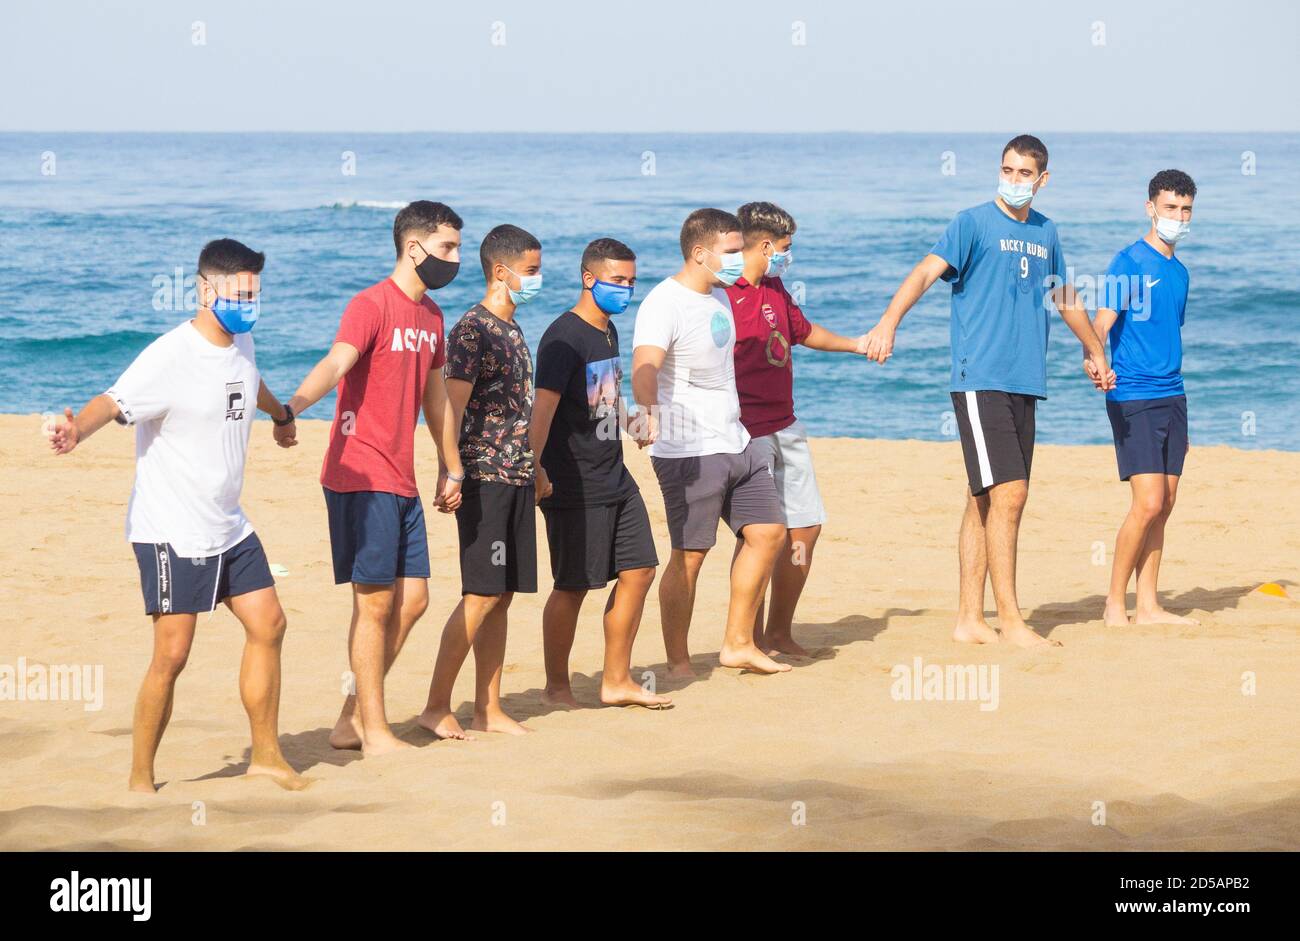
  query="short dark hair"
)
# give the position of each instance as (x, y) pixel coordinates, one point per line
(422, 217)
(705, 222)
(605, 250)
(503, 245)
(1175, 181)
(226, 256)
(764, 219)
(1027, 145)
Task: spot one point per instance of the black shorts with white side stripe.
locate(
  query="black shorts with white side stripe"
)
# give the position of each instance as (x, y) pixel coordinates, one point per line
(997, 436)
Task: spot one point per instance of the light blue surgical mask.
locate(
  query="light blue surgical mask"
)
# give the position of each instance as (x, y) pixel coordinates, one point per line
(235, 316)
(530, 285)
(1171, 231)
(779, 264)
(1016, 195)
(611, 298)
(733, 266)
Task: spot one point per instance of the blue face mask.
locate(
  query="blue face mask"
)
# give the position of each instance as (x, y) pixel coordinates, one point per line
(1016, 195)
(779, 264)
(733, 266)
(530, 285)
(611, 298)
(235, 316)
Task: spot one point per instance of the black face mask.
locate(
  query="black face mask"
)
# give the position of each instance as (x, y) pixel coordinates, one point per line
(435, 272)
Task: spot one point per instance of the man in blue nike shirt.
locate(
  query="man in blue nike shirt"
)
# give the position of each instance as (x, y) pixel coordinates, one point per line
(1004, 262)
(1142, 309)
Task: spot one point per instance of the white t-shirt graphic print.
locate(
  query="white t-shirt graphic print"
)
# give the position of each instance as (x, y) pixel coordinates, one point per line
(699, 411)
(192, 405)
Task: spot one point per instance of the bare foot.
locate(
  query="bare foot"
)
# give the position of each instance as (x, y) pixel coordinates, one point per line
(1116, 614)
(782, 643)
(559, 696)
(498, 721)
(1022, 635)
(1161, 616)
(752, 659)
(347, 732)
(141, 785)
(378, 745)
(631, 694)
(681, 671)
(974, 632)
(280, 773)
(443, 724)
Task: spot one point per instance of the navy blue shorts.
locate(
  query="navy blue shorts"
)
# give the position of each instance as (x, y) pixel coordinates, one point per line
(376, 537)
(174, 584)
(1150, 435)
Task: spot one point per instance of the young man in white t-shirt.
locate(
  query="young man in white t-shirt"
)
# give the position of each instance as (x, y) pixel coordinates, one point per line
(190, 396)
(708, 470)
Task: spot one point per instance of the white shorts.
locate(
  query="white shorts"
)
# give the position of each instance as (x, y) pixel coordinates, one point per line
(796, 482)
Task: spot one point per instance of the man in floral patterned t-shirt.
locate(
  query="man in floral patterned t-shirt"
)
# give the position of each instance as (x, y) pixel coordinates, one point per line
(489, 376)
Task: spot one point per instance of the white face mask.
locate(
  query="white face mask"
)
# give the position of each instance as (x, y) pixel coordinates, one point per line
(1016, 195)
(1171, 231)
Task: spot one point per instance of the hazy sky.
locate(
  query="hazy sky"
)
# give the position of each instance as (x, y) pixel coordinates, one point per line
(665, 65)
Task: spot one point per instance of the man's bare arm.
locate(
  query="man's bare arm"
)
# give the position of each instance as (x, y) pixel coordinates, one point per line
(880, 338)
(819, 338)
(1075, 315)
(324, 376)
(66, 433)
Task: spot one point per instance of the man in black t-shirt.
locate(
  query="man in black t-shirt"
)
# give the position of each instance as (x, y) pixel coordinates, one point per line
(596, 521)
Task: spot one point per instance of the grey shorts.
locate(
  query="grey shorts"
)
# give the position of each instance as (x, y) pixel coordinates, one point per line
(701, 491)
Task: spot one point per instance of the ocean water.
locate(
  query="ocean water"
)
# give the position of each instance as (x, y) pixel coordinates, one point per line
(94, 227)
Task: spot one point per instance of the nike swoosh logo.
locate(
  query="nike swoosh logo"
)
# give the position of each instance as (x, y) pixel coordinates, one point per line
(1152, 284)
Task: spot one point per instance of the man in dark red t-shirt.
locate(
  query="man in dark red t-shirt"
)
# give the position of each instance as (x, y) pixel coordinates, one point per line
(768, 324)
(387, 363)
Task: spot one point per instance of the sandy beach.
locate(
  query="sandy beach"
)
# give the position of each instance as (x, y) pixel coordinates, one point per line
(1123, 739)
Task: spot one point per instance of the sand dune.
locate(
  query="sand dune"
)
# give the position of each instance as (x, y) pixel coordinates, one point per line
(1149, 725)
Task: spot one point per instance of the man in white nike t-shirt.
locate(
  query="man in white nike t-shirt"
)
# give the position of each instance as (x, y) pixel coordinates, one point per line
(191, 396)
(708, 470)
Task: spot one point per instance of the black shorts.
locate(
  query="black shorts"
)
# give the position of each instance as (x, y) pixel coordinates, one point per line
(498, 538)
(174, 584)
(997, 436)
(590, 545)
(376, 537)
(1150, 435)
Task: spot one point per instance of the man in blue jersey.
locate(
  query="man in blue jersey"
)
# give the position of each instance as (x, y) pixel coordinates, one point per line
(1142, 309)
(1006, 268)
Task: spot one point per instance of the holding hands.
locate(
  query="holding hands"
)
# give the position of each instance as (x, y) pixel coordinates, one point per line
(1097, 369)
(878, 342)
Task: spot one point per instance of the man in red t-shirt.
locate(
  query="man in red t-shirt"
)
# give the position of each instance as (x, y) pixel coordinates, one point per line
(768, 324)
(387, 362)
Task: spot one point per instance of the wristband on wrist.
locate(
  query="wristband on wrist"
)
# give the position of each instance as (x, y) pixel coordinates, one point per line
(457, 478)
(288, 418)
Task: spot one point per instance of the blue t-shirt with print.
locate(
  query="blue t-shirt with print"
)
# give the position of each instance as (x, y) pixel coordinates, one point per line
(1149, 292)
(999, 269)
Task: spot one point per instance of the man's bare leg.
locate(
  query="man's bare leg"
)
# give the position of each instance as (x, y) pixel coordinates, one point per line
(972, 559)
(559, 625)
(622, 619)
(749, 578)
(410, 601)
(1149, 609)
(1148, 505)
(374, 607)
(172, 636)
(676, 603)
(760, 616)
(1001, 535)
(458, 636)
(259, 683)
(789, 575)
(489, 660)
